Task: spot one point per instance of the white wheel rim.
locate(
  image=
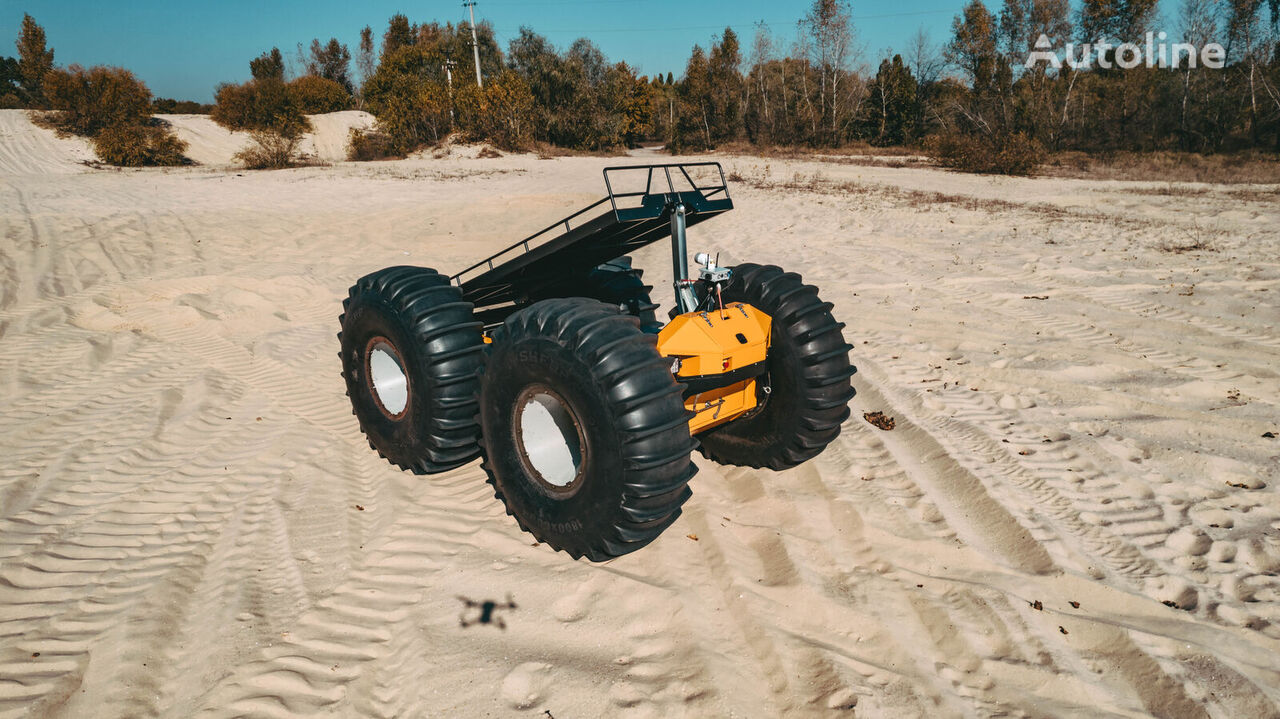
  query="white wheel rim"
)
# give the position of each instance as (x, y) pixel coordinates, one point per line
(387, 377)
(549, 438)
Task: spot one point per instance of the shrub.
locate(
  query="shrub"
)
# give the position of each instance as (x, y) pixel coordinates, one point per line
(170, 106)
(260, 104)
(317, 95)
(271, 150)
(1003, 154)
(139, 145)
(364, 145)
(87, 101)
(409, 100)
(501, 112)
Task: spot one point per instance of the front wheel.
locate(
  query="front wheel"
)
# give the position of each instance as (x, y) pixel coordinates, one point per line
(808, 375)
(585, 435)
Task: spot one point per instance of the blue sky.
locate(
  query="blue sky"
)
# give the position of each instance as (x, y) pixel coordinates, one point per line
(182, 49)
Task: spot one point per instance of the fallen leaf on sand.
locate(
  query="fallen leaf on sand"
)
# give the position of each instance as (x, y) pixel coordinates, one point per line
(878, 419)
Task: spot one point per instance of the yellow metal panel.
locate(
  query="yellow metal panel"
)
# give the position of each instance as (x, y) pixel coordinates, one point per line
(710, 343)
(704, 340)
(715, 407)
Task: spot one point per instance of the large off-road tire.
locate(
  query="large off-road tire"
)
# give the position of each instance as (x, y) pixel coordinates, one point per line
(411, 353)
(808, 375)
(586, 438)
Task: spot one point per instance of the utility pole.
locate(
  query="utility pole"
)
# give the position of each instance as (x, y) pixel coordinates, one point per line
(448, 73)
(475, 46)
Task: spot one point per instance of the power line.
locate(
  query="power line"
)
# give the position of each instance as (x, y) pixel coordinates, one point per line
(670, 28)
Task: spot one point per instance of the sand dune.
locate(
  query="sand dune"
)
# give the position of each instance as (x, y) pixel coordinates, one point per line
(1076, 513)
(208, 143)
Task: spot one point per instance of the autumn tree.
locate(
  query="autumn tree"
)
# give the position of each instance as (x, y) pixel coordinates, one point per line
(34, 62)
(268, 66)
(627, 102)
(408, 94)
(500, 112)
(973, 45)
(332, 61)
(399, 34)
(262, 104)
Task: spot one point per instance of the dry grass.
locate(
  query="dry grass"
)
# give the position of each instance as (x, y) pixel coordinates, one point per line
(1252, 194)
(1197, 238)
(547, 151)
(854, 151)
(1238, 168)
(819, 184)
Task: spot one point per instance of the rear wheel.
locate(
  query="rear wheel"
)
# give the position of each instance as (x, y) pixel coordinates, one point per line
(586, 439)
(618, 283)
(615, 282)
(808, 377)
(411, 351)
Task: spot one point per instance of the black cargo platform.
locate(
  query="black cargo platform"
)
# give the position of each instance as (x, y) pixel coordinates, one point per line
(607, 229)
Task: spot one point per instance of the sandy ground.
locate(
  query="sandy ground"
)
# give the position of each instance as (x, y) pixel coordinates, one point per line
(1076, 513)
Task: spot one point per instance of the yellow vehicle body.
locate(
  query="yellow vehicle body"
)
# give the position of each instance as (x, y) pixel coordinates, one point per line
(712, 348)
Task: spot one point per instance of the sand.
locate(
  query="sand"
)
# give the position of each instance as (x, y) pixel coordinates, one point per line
(1075, 514)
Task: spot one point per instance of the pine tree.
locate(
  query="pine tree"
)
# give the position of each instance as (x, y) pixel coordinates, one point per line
(34, 62)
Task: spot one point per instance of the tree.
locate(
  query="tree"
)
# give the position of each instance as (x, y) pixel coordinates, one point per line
(399, 34)
(725, 88)
(1116, 20)
(891, 103)
(973, 45)
(10, 84)
(627, 101)
(757, 119)
(364, 57)
(508, 108)
(314, 95)
(830, 34)
(268, 66)
(544, 71)
(34, 62)
(1200, 95)
(693, 126)
(259, 104)
(408, 95)
(331, 61)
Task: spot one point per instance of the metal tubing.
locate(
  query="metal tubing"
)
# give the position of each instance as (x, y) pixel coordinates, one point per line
(679, 248)
(680, 261)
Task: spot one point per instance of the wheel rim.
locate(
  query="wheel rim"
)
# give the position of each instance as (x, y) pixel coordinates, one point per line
(549, 439)
(388, 382)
